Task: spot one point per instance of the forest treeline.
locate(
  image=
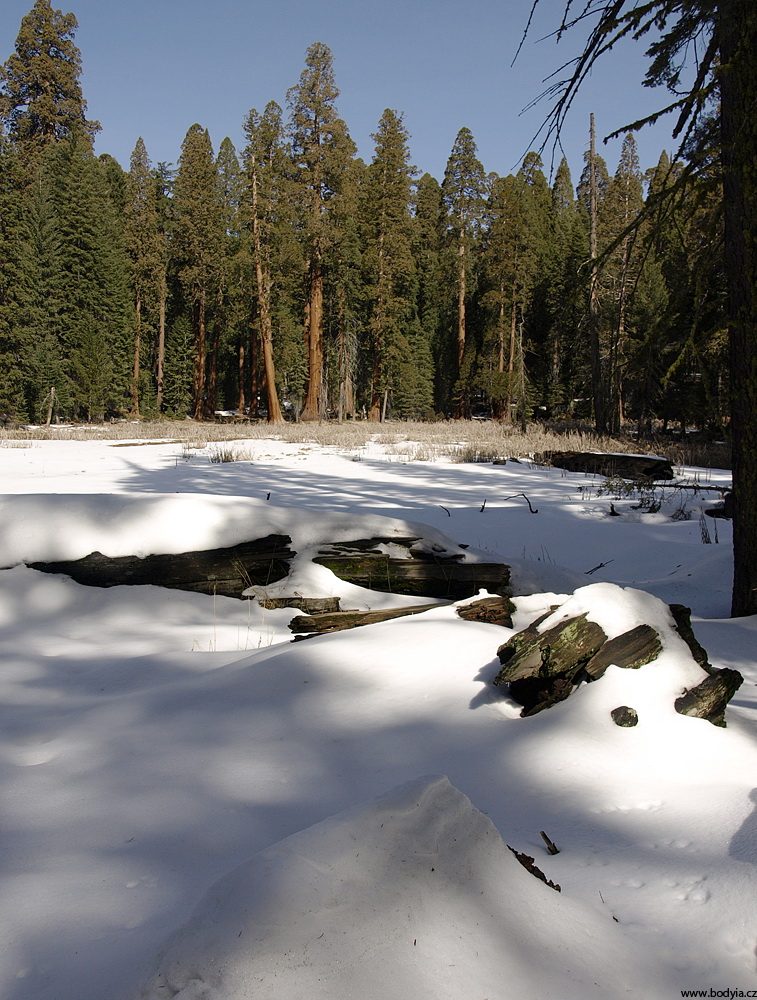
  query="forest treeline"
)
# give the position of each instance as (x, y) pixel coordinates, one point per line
(291, 278)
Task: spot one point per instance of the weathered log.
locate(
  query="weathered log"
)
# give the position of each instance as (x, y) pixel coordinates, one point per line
(682, 617)
(491, 610)
(423, 574)
(708, 700)
(635, 467)
(625, 716)
(224, 571)
(630, 650)
(308, 625)
(309, 605)
(559, 651)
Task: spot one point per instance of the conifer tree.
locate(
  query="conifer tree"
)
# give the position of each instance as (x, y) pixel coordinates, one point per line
(321, 148)
(389, 262)
(428, 236)
(463, 192)
(266, 165)
(40, 95)
(197, 242)
(147, 256)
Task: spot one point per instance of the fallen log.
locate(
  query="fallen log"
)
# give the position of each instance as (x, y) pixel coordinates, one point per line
(226, 571)
(420, 573)
(309, 605)
(308, 625)
(635, 467)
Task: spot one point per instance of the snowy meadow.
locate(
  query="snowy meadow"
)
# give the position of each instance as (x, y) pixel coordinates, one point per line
(194, 806)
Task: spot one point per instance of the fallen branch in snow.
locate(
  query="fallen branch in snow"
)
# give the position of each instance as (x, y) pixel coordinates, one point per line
(533, 510)
(550, 844)
(600, 566)
(528, 864)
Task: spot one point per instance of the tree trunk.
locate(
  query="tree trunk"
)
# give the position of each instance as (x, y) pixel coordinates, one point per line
(199, 350)
(161, 343)
(737, 25)
(240, 378)
(597, 387)
(312, 409)
(137, 348)
(263, 280)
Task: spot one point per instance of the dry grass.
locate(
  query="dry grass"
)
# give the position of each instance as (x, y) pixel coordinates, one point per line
(458, 440)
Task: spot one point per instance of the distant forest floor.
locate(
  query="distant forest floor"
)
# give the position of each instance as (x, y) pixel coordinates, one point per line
(455, 440)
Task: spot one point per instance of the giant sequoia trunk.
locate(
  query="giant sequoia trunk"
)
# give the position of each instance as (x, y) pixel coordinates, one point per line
(737, 24)
(314, 336)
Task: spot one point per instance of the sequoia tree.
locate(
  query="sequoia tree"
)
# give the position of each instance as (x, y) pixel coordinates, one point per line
(321, 147)
(40, 96)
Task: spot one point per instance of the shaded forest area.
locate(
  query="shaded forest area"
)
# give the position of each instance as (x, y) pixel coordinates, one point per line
(292, 279)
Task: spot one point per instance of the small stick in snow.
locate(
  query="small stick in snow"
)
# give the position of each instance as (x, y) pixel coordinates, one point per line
(600, 566)
(533, 510)
(550, 846)
(483, 506)
(445, 510)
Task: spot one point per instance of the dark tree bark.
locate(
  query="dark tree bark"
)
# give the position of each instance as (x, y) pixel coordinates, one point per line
(737, 26)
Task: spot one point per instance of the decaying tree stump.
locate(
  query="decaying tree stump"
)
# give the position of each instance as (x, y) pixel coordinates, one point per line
(635, 467)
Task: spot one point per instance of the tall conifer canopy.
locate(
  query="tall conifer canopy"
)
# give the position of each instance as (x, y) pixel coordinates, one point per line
(41, 98)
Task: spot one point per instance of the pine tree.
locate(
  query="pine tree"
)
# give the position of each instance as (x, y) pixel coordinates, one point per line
(146, 252)
(463, 192)
(40, 95)
(428, 229)
(197, 242)
(266, 167)
(321, 147)
(389, 262)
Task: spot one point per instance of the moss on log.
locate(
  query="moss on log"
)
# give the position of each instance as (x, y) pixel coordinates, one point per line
(559, 651)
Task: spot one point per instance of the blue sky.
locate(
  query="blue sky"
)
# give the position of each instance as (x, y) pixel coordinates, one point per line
(154, 67)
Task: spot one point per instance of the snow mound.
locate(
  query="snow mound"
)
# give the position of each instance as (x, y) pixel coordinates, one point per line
(51, 527)
(415, 895)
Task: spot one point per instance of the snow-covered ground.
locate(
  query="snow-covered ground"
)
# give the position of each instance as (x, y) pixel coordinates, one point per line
(195, 807)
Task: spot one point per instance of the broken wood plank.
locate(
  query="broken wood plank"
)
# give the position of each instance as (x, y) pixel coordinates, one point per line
(634, 467)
